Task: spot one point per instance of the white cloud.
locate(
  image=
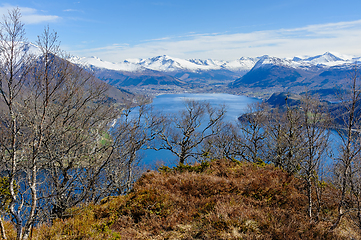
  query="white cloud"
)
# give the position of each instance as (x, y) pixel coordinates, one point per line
(73, 10)
(29, 15)
(342, 37)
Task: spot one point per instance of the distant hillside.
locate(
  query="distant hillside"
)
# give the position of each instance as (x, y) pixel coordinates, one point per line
(115, 93)
(272, 76)
(217, 200)
(278, 75)
(126, 79)
(280, 99)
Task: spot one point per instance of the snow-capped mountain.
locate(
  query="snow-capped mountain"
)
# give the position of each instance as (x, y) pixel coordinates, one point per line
(298, 74)
(327, 59)
(243, 63)
(267, 61)
(261, 71)
(166, 64)
(266, 72)
(91, 62)
(170, 64)
(32, 49)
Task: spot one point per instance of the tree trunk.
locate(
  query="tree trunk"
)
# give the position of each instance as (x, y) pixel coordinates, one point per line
(3, 234)
(309, 195)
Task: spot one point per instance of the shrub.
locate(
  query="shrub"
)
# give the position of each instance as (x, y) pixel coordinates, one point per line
(221, 199)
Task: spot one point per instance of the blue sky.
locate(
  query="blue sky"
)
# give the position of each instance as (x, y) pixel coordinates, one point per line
(226, 30)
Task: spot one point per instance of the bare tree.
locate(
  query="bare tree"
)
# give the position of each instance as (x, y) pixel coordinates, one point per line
(293, 137)
(354, 211)
(225, 144)
(55, 122)
(349, 131)
(70, 117)
(284, 137)
(185, 132)
(14, 70)
(275, 128)
(134, 130)
(316, 124)
(252, 134)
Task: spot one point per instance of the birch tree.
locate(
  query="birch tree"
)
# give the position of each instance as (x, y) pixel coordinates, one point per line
(135, 130)
(348, 121)
(54, 122)
(316, 124)
(252, 134)
(70, 112)
(15, 66)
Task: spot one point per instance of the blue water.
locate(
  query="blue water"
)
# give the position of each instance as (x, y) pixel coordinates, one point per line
(235, 105)
(172, 104)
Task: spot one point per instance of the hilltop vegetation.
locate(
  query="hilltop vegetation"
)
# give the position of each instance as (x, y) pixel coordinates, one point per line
(221, 199)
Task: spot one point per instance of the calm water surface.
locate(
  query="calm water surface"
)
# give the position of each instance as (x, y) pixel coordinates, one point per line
(174, 103)
(235, 105)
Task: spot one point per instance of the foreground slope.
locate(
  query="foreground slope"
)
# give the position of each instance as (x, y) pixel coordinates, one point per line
(217, 200)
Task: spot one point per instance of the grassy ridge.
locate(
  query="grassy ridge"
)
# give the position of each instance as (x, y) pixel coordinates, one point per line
(217, 200)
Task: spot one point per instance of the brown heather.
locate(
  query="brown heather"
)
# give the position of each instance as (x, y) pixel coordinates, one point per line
(217, 200)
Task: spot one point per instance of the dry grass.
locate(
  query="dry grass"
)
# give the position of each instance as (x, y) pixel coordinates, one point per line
(220, 200)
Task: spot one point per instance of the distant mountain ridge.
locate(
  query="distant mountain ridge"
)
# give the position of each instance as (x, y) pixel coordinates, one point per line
(265, 72)
(261, 75)
(169, 64)
(316, 73)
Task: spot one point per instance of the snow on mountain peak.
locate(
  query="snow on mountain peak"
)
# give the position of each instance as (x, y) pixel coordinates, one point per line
(165, 63)
(266, 60)
(327, 59)
(90, 62)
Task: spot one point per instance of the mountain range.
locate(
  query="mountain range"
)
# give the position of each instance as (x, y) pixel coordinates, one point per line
(260, 76)
(266, 74)
(169, 64)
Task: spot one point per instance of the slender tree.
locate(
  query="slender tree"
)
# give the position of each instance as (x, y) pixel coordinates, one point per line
(15, 66)
(275, 128)
(316, 124)
(134, 130)
(348, 128)
(226, 144)
(70, 117)
(55, 121)
(252, 134)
